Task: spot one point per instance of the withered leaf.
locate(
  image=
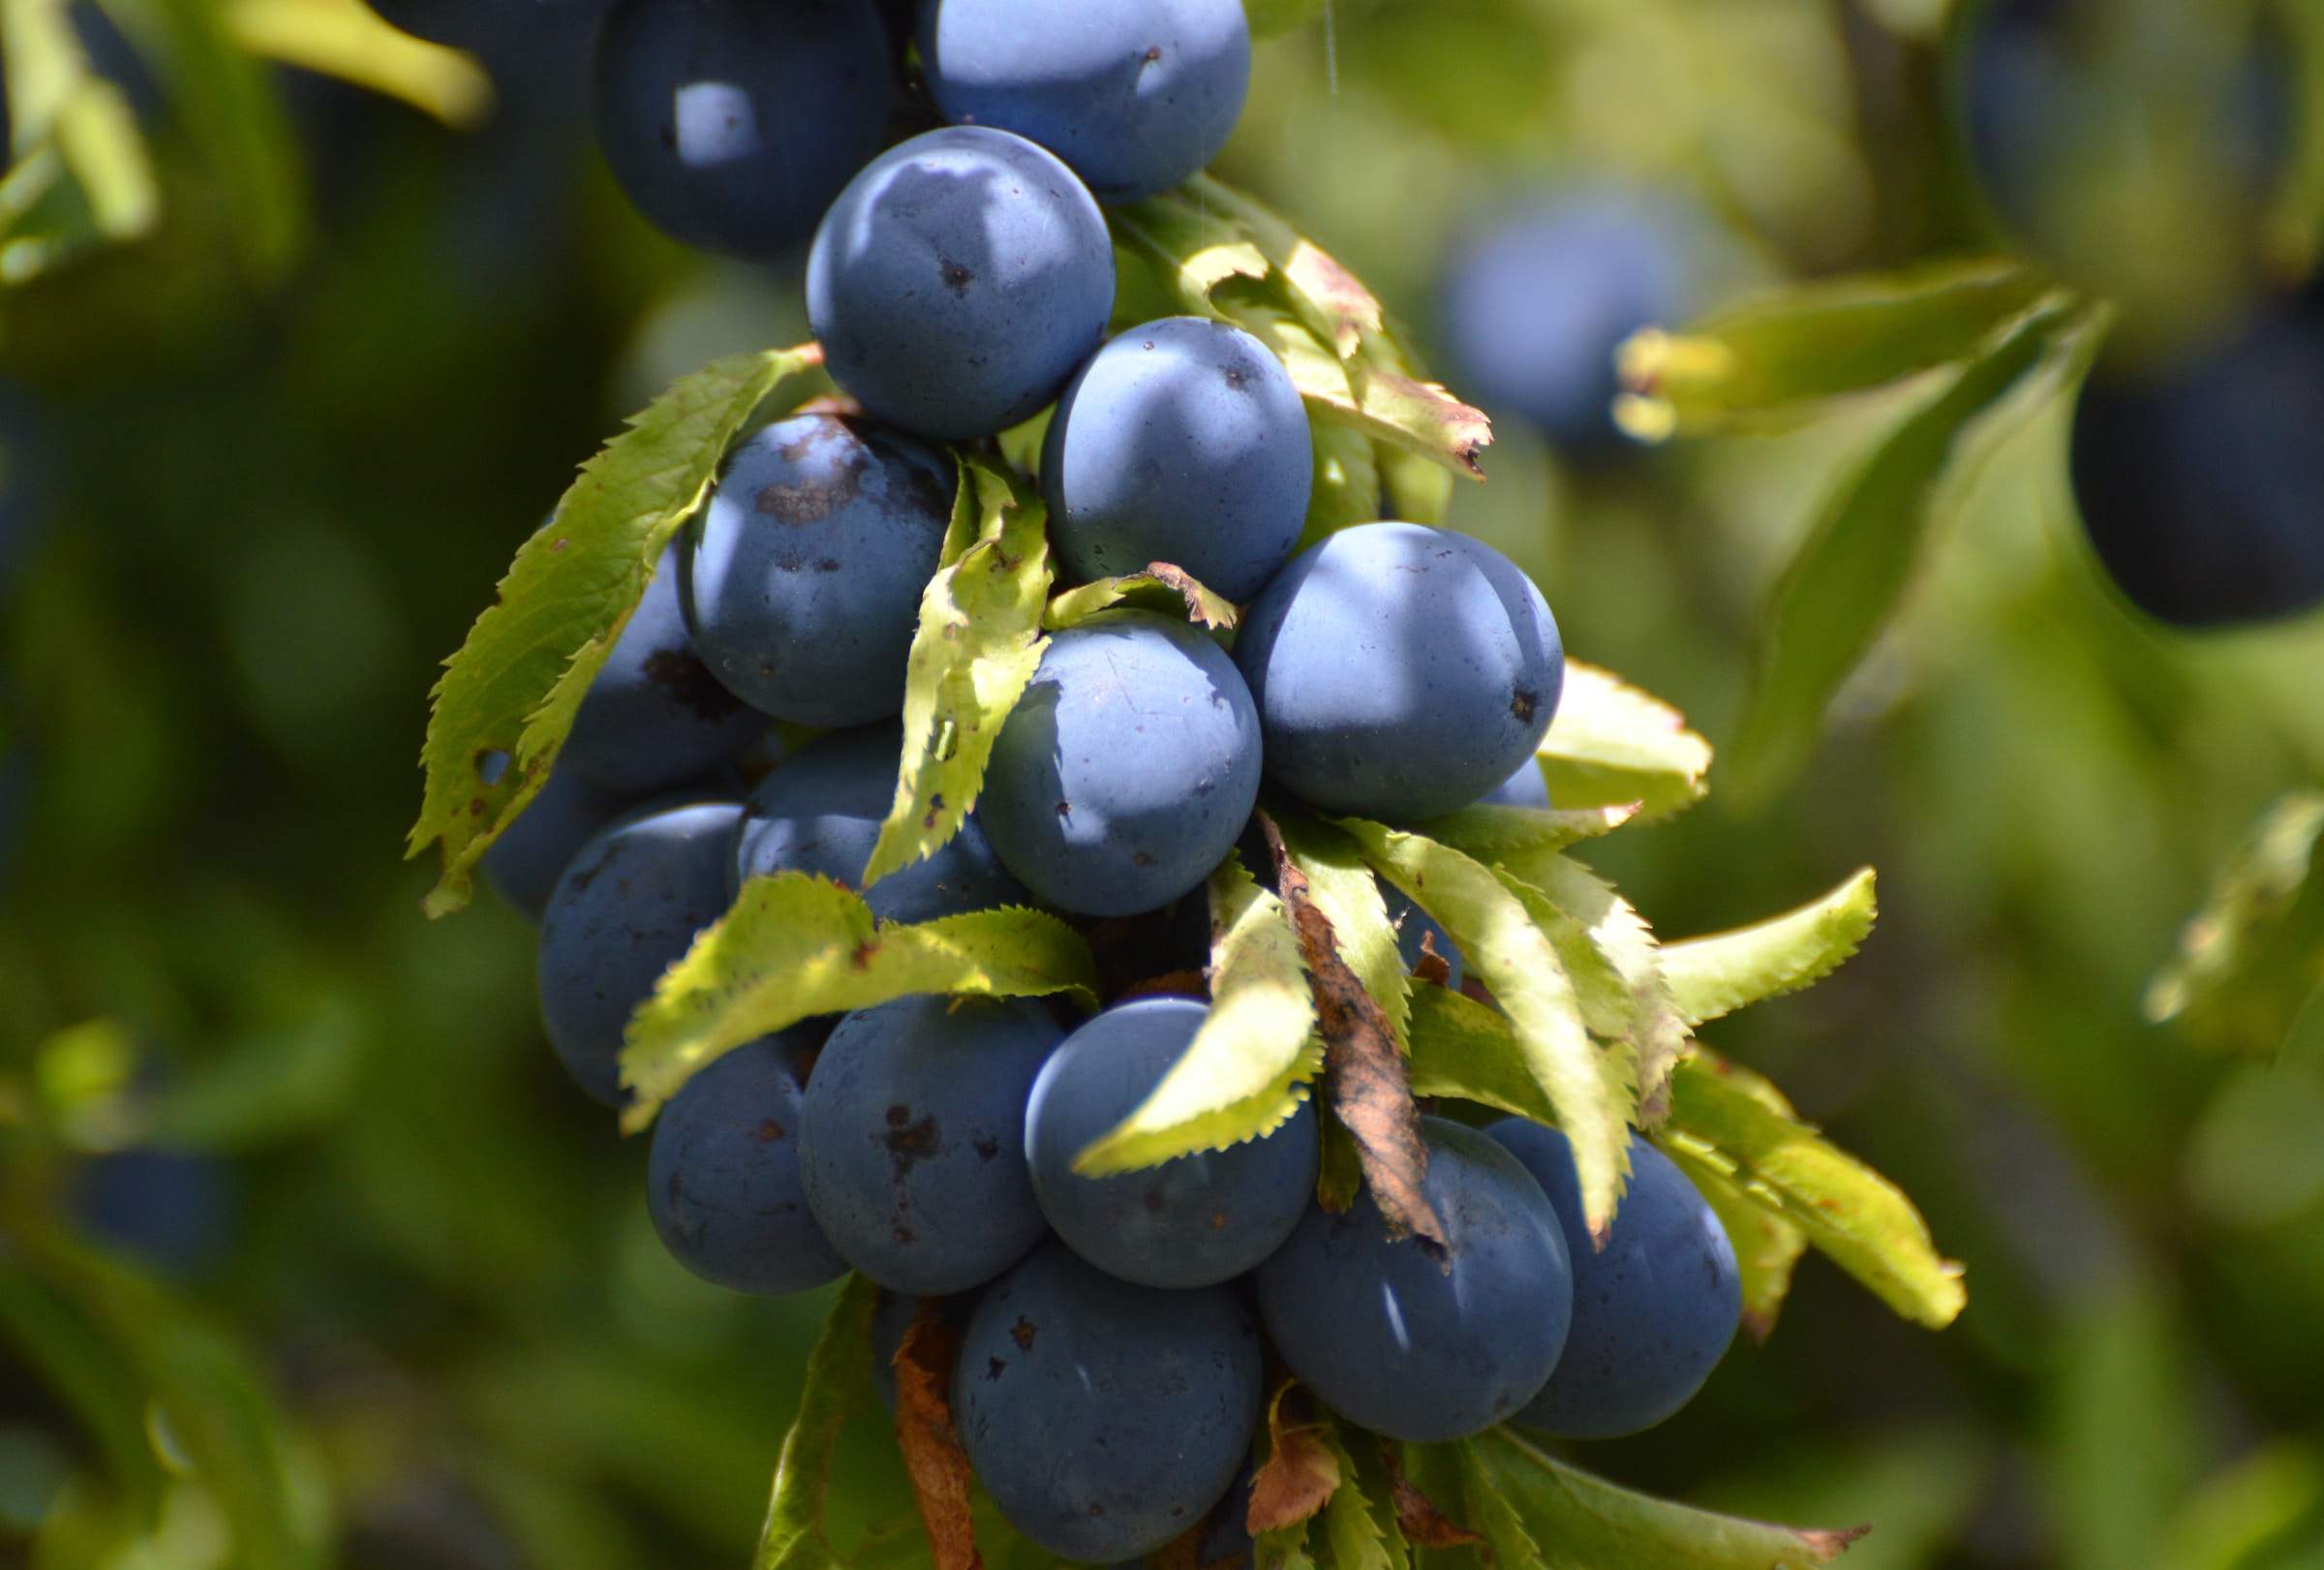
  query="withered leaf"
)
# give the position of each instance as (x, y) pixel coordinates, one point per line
(1300, 1470)
(932, 1450)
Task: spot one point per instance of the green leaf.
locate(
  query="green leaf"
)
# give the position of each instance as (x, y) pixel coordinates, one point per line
(1469, 1051)
(1389, 407)
(1357, 1530)
(794, 946)
(1511, 955)
(1161, 587)
(1340, 882)
(2253, 959)
(1247, 1068)
(1505, 1538)
(1767, 1245)
(837, 1383)
(232, 109)
(1612, 745)
(1486, 832)
(514, 687)
(977, 645)
(1711, 977)
(1851, 573)
(1781, 361)
(1283, 1548)
(1732, 1123)
(346, 39)
(1613, 930)
(1584, 1522)
(1414, 488)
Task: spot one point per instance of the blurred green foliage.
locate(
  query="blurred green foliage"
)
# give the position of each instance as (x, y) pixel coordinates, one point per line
(308, 419)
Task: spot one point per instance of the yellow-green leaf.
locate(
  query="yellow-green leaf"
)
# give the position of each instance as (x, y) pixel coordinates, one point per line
(514, 687)
(1508, 952)
(795, 946)
(346, 39)
(1587, 1522)
(1612, 745)
(1767, 1244)
(1247, 1068)
(1776, 362)
(977, 645)
(1503, 1524)
(1161, 587)
(1711, 977)
(1356, 1529)
(1346, 488)
(2253, 958)
(1470, 1052)
(1727, 1120)
(1490, 831)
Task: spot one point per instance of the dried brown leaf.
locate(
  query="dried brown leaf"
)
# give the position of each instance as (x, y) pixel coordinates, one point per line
(1300, 1470)
(932, 1450)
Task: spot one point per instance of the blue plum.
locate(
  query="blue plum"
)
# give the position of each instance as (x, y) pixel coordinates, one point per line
(532, 853)
(1193, 1222)
(1653, 1310)
(625, 910)
(1136, 95)
(912, 1140)
(732, 124)
(1182, 441)
(958, 281)
(2202, 489)
(1388, 1339)
(1535, 301)
(801, 579)
(1105, 1419)
(1128, 769)
(1401, 671)
(485, 25)
(723, 1177)
(655, 715)
(171, 1210)
(1525, 786)
(820, 813)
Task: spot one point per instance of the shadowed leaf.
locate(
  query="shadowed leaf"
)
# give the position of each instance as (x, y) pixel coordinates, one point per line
(1300, 1471)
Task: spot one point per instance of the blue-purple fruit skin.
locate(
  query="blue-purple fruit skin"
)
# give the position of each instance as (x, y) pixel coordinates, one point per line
(2201, 487)
(958, 281)
(654, 716)
(1535, 301)
(1401, 671)
(913, 1140)
(1195, 1220)
(1182, 441)
(1127, 770)
(732, 124)
(532, 853)
(1105, 1419)
(627, 909)
(1654, 1309)
(802, 580)
(1136, 95)
(1388, 1338)
(820, 811)
(723, 1177)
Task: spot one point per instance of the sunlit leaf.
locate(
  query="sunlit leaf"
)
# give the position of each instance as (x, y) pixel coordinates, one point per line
(795, 946)
(1612, 745)
(1511, 955)
(1247, 1068)
(1161, 587)
(1731, 1123)
(346, 39)
(1711, 977)
(977, 645)
(513, 689)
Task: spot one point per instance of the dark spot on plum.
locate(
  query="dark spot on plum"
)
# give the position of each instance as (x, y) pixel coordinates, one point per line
(994, 1368)
(1522, 702)
(1154, 1201)
(986, 1146)
(804, 500)
(1023, 1333)
(957, 277)
(903, 1234)
(1153, 53)
(690, 681)
(1237, 376)
(910, 1143)
(827, 564)
(1141, 859)
(768, 1132)
(1064, 808)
